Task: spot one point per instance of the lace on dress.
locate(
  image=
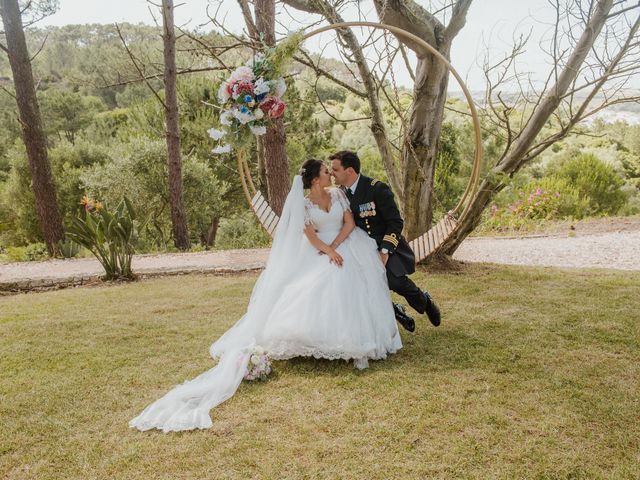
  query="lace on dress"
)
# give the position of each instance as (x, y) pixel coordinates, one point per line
(337, 196)
(341, 197)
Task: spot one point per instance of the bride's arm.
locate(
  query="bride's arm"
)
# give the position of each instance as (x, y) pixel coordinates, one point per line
(310, 232)
(347, 227)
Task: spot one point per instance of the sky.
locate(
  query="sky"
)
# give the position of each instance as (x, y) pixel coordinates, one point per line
(489, 22)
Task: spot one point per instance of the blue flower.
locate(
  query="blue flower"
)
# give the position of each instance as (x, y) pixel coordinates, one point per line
(244, 109)
(261, 96)
(248, 98)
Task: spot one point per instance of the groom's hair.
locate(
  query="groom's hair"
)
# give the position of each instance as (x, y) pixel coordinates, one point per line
(347, 159)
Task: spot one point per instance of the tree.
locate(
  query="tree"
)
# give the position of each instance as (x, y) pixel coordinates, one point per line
(178, 216)
(411, 173)
(272, 152)
(588, 74)
(68, 112)
(31, 124)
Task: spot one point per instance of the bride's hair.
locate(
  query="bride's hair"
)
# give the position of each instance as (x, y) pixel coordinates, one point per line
(310, 170)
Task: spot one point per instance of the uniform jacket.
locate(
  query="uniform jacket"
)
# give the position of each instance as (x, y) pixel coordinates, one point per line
(376, 212)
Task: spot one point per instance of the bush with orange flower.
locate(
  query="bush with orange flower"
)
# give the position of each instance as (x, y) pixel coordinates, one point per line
(109, 235)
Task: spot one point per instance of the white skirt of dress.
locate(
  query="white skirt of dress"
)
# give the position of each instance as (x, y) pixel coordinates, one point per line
(335, 312)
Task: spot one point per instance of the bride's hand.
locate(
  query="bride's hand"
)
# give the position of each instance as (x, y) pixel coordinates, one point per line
(334, 257)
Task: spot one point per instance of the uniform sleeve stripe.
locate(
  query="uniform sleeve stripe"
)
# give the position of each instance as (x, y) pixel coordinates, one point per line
(390, 239)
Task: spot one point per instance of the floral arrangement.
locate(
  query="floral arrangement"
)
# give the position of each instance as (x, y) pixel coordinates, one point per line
(252, 96)
(259, 365)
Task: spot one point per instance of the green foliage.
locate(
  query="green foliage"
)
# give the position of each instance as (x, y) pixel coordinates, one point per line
(110, 236)
(371, 163)
(138, 170)
(450, 179)
(307, 137)
(68, 162)
(68, 248)
(18, 218)
(594, 180)
(327, 91)
(107, 126)
(31, 253)
(242, 231)
(67, 113)
(278, 57)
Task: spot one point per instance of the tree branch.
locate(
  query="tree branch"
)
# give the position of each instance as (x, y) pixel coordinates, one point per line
(320, 71)
(458, 19)
(248, 19)
(143, 77)
(40, 49)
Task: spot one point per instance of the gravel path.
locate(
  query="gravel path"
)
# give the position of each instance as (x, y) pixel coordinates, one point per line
(619, 250)
(616, 250)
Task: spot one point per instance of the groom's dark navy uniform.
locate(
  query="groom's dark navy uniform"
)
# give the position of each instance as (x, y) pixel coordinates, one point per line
(376, 212)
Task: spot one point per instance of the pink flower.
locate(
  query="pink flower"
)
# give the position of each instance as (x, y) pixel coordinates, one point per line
(242, 74)
(277, 110)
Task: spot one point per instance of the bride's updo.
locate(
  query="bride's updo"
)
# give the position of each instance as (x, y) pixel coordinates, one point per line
(310, 170)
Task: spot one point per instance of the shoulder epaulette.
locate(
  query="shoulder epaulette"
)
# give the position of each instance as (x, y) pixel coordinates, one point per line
(373, 182)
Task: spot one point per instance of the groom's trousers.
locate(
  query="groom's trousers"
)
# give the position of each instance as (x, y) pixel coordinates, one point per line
(405, 287)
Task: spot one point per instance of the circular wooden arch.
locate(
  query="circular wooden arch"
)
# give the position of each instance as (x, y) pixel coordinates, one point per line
(430, 241)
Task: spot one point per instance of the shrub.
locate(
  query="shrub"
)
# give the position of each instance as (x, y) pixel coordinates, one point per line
(35, 252)
(31, 253)
(110, 236)
(595, 181)
(242, 231)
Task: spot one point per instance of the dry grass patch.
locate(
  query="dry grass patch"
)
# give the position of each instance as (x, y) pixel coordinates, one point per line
(533, 374)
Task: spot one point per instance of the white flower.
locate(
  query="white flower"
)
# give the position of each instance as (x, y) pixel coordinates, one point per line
(222, 149)
(243, 118)
(258, 113)
(255, 359)
(280, 87)
(223, 93)
(242, 74)
(257, 58)
(215, 133)
(258, 351)
(261, 86)
(258, 130)
(225, 118)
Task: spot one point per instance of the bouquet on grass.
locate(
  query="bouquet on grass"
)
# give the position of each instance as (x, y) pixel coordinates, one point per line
(259, 365)
(252, 96)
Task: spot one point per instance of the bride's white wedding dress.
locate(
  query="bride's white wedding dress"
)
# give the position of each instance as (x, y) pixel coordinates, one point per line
(301, 305)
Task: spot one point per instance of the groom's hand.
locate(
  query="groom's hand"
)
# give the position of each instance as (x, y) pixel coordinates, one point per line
(384, 257)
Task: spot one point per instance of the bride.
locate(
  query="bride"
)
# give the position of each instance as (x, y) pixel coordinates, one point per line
(323, 293)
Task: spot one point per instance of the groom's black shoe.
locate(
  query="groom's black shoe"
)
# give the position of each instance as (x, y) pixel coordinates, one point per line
(432, 311)
(403, 319)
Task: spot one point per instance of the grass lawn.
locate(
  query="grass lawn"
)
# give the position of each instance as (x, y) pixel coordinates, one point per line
(535, 373)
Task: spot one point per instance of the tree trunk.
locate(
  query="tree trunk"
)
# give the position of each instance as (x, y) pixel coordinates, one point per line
(262, 172)
(420, 151)
(276, 164)
(31, 123)
(212, 233)
(174, 160)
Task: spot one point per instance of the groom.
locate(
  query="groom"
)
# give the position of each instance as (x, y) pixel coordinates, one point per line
(375, 211)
